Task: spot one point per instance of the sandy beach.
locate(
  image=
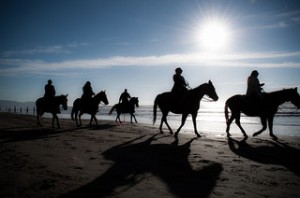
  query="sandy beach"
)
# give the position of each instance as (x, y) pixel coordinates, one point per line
(134, 160)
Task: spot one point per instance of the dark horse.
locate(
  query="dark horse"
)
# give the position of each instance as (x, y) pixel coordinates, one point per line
(126, 108)
(90, 107)
(51, 106)
(188, 104)
(265, 108)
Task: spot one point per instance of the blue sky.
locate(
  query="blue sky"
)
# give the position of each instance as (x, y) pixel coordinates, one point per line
(137, 44)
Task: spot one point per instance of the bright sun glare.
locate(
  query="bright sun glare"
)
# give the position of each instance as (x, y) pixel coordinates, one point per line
(214, 35)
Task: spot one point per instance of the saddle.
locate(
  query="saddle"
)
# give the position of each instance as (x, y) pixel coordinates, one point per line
(50, 106)
(86, 103)
(125, 107)
(254, 102)
(178, 97)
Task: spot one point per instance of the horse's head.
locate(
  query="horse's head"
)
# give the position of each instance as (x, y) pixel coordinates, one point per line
(64, 101)
(211, 91)
(135, 101)
(103, 97)
(295, 97)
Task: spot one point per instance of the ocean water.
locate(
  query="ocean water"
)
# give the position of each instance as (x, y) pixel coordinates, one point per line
(210, 120)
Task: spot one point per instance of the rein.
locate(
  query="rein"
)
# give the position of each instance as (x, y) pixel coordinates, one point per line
(206, 99)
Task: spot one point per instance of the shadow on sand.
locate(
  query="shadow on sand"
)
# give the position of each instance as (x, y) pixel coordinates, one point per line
(133, 162)
(271, 152)
(17, 134)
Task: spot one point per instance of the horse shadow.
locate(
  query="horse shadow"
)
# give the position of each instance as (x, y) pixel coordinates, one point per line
(274, 152)
(169, 162)
(19, 134)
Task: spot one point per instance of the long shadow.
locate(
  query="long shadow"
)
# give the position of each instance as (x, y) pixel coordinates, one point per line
(24, 134)
(169, 162)
(277, 153)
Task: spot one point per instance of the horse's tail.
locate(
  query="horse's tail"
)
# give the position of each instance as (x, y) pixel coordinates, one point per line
(112, 109)
(226, 111)
(155, 109)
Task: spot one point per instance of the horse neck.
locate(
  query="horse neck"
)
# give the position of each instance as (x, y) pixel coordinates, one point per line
(98, 98)
(199, 91)
(279, 97)
(58, 99)
(131, 103)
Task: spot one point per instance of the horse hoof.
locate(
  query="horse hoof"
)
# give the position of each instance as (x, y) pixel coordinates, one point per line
(274, 137)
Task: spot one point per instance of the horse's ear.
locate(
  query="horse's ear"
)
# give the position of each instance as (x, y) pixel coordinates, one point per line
(295, 88)
(67, 95)
(209, 82)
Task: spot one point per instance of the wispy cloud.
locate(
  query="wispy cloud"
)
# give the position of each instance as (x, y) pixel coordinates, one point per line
(276, 20)
(54, 49)
(271, 59)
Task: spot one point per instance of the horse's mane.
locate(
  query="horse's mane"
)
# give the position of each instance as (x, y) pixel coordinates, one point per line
(282, 91)
(196, 90)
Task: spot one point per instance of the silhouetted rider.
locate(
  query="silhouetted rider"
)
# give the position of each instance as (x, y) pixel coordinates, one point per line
(180, 85)
(124, 100)
(87, 91)
(49, 90)
(254, 87)
(124, 97)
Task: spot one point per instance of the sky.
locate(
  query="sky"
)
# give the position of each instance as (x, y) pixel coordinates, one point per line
(137, 44)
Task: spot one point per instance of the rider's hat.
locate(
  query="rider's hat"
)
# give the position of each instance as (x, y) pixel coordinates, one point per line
(254, 73)
(178, 70)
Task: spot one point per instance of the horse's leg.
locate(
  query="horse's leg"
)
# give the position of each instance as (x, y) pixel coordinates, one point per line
(183, 119)
(118, 118)
(79, 117)
(264, 124)
(132, 115)
(56, 118)
(164, 119)
(194, 116)
(168, 125)
(76, 118)
(96, 120)
(229, 123)
(161, 124)
(93, 117)
(91, 120)
(270, 122)
(238, 123)
(39, 119)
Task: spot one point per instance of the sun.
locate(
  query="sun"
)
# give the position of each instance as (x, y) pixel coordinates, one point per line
(214, 35)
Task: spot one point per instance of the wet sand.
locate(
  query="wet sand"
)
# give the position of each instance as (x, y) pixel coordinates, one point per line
(134, 160)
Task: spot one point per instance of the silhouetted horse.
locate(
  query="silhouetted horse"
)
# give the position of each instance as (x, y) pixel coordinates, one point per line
(50, 106)
(265, 108)
(126, 108)
(188, 104)
(90, 107)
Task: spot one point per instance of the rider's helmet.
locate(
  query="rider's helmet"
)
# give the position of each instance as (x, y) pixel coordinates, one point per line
(178, 70)
(49, 81)
(88, 83)
(254, 73)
